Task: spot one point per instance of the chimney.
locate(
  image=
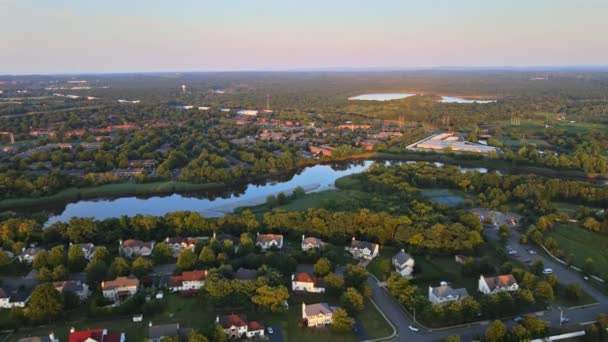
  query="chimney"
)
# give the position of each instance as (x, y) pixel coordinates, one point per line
(52, 336)
(119, 242)
(353, 238)
(217, 319)
(302, 237)
(403, 250)
(292, 276)
(150, 323)
(214, 235)
(72, 330)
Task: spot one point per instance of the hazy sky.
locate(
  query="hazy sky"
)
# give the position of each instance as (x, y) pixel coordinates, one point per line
(51, 36)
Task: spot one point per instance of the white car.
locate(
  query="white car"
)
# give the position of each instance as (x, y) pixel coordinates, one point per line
(413, 328)
(547, 271)
(270, 331)
(532, 252)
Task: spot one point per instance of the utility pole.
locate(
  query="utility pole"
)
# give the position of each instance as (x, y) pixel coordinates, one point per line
(268, 102)
(561, 315)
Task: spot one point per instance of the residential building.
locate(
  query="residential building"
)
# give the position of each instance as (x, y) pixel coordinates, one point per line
(178, 244)
(135, 248)
(245, 274)
(363, 249)
(266, 241)
(444, 293)
(95, 335)
(49, 338)
(188, 281)
(306, 282)
(77, 287)
(120, 288)
(88, 249)
(448, 141)
(28, 254)
(318, 315)
(15, 299)
(237, 326)
(158, 333)
(500, 283)
(323, 150)
(310, 242)
(459, 258)
(404, 264)
(248, 112)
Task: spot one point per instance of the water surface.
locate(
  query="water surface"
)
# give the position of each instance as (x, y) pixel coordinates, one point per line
(381, 97)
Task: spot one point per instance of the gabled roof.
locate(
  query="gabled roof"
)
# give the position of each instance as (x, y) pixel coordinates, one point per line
(312, 241)
(402, 257)
(267, 238)
(319, 308)
(188, 276)
(363, 245)
(119, 282)
(446, 291)
(500, 281)
(305, 277)
(83, 336)
(233, 320)
(254, 325)
(136, 243)
(69, 285)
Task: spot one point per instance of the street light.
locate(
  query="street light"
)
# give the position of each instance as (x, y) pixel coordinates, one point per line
(561, 314)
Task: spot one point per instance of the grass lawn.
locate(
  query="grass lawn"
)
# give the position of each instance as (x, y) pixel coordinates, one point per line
(435, 269)
(582, 244)
(381, 267)
(563, 300)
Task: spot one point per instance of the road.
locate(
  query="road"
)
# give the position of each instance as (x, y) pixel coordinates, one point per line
(402, 320)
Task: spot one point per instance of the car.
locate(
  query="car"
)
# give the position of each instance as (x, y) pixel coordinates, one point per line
(270, 331)
(564, 320)
(518, 319)
(532, 252)
(512, 252)
(413, 328)
(586, 278)
(548, 271)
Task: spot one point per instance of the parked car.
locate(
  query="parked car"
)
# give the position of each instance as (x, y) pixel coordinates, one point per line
(548, 271)
(413, 328)
(270, 331)
(518, 319)
(532, 252)
(564, 320)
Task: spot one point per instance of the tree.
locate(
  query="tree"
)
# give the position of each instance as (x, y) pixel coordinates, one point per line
(352, 300)
(141, 267)
(342, 322)
(355, 276)
(219, 335)
(270, 298)
(76, 259)
(574, 292)
(80, 230)
(519, 333)
(45, 305)
(186, 260)
(120, 267)
(322, 267)
(207, 256)
(495, 332)
(504, 232)
(453, 338)
(544, 291)
(196, 336)
(538, 267)
(588, 266)
(56, 256)
(60, 273)
(334, 282)
(96, 272)
(4, 258)
(535, 325)
(161, 253)
(40, 260)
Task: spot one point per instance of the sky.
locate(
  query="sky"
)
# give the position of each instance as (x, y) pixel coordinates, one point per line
(79, 36)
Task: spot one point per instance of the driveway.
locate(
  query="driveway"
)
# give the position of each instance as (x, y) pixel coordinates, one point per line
(277, 334)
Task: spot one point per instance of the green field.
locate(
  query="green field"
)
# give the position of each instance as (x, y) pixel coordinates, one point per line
(581, 244)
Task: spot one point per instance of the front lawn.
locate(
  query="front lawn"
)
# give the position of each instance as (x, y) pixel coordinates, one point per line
(580, 244)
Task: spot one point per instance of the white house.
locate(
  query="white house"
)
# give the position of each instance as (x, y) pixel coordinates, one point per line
(363, 249)
(178, 244)
(248, 112)
(444, 293)
(310, 242)
(88, 249)
(28, 254)
(497, 284)
(80, 289)
(14, 299)
(318, 314)
(135, 248)
(188, 281)
(305, 282)
(266, 241)
(120, 288)
(404, 264)
(236, 326)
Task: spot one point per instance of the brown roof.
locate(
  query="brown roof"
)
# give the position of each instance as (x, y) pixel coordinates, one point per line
(233, 320)
(500, 281)
(269, 237)
(313, 241)
(363, 245)
(119, 282)
(304, 277)
(136, 243)
(187, 276)
(254, 325)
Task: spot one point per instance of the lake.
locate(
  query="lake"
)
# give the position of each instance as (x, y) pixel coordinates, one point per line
(381, 97)
(454, 99)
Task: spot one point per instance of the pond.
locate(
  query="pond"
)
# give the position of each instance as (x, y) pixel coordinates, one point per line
(381, 97)
(454, 99)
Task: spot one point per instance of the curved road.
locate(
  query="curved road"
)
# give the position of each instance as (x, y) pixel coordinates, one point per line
(402, 319)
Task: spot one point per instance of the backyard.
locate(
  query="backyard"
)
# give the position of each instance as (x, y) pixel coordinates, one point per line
(581, 244)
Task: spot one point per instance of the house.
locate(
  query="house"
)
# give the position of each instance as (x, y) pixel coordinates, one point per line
(158, 333)
(404, 264)
(188, 281)
(120, 288)
(500, 283)
(28, 254)
(459, 258)
(178, 244)
(236, 326)
(318, 315)
(88, 249)
(95, 335)
(363, 249)
(266, 241)
(323, 150)
(306, 282)
(248, 112)
(77, 287)
(310, 242)
(14, 299)
(49, 338)
(245, 274)
(135, 248)
(444, 293)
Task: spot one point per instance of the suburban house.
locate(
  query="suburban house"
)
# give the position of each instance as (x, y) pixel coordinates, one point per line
(188, 281)
(306, 282)
(444, 293)
(77, 287)
(178, 244)
(310, 242)
(48, 338)
(88, 249)
(497, 284)
(95, 335)
(237, 326)
(14, 299)
(266, 241)
(120, 288)
(28, 254)
(245, 274)
(404, 264)
(158, 333)
(135, 248)
(318, 315)
(363, 249)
